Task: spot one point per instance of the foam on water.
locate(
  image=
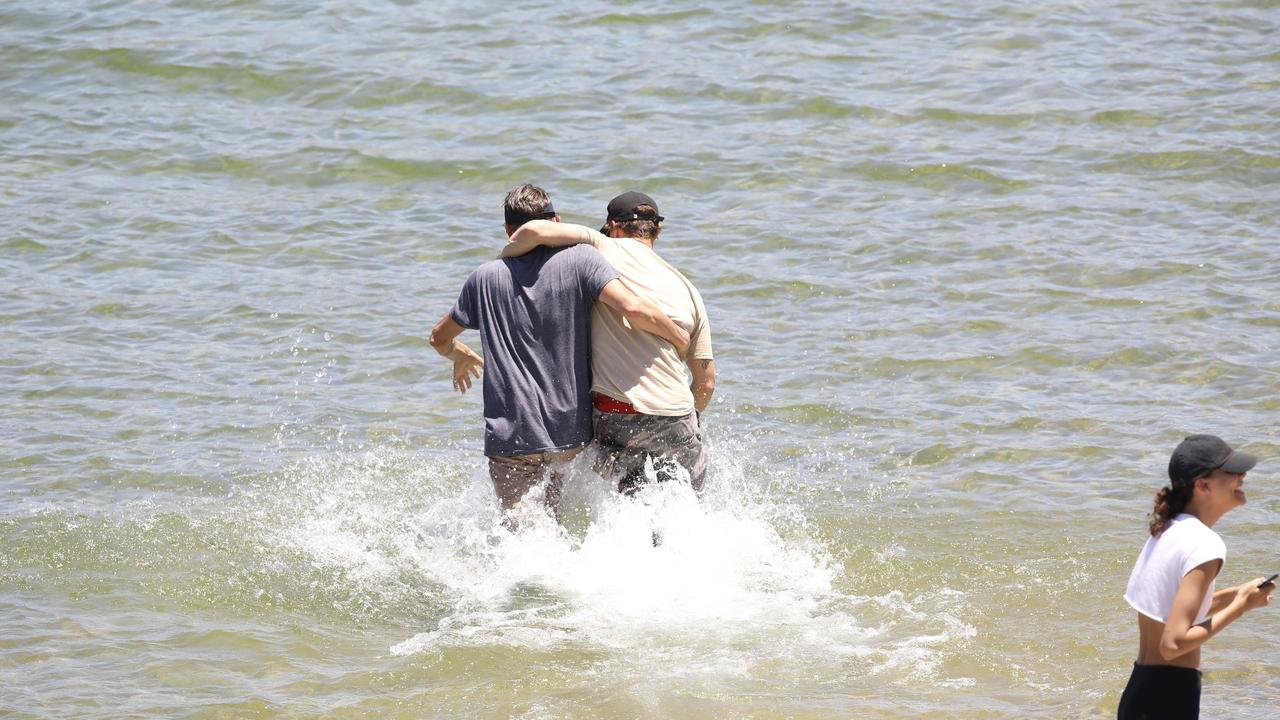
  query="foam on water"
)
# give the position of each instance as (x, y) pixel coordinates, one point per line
(737, 579)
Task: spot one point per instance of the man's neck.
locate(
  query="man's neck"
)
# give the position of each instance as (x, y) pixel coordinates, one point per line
(642, 241)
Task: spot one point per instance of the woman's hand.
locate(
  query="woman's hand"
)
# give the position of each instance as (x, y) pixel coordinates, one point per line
(1250, 596)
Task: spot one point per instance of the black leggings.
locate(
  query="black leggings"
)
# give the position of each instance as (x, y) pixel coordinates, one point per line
(1161, 692)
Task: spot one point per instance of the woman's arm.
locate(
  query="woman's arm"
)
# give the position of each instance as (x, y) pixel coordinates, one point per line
(1180, 636)
(1221, 598)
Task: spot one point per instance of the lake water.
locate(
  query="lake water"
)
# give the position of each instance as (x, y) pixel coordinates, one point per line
(973, 269)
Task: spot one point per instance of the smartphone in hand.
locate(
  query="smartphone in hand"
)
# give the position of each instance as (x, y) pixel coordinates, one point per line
(1269, 581)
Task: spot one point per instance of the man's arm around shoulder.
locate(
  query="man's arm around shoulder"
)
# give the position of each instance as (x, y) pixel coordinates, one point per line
(548, 233)
(644, 315)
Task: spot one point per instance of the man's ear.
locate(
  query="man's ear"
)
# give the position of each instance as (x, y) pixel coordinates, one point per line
(556, 219)
(510, 230)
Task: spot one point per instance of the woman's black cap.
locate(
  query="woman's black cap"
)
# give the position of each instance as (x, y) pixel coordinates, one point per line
(1199, 455)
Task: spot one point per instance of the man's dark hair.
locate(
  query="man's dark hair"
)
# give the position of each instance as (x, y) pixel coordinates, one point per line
(641, 228)
(526, 202)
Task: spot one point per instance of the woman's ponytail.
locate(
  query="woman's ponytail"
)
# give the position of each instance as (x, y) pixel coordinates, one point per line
(1170, 502)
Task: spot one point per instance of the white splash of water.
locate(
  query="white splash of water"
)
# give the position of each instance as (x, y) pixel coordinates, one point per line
(664, 578)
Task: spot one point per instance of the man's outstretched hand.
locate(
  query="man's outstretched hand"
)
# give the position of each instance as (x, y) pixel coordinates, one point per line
(466, 365)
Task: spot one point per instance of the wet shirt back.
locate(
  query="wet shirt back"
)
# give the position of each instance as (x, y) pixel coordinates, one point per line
(534, 317)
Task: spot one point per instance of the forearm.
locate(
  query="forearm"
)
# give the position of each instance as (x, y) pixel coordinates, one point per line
(646, 316)
(704, 382)
(444, 336)
(1221, 598)
(544, 232)
(701, 396)
(451, 349)
(1175, 645)
(643, 315)
(442, 346)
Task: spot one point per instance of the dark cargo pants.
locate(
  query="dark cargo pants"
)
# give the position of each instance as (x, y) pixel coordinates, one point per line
(627, 439)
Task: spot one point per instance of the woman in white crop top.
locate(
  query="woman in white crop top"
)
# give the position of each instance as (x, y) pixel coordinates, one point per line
(1172, 583)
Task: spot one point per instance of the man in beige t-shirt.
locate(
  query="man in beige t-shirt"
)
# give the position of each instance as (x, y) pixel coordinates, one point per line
(647, 397)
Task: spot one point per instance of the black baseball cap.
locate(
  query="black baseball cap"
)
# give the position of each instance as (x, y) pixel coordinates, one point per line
(1199, 455)
(624, 208)
(515, 218)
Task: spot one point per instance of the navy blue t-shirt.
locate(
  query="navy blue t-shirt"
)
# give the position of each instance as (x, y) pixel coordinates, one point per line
(534, 317)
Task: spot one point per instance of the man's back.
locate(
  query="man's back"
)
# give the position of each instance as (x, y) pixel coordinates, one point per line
(533, 314)
(646, 405)
(637, 367)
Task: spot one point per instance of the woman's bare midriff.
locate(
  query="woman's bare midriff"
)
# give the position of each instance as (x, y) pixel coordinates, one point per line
(1149, 632)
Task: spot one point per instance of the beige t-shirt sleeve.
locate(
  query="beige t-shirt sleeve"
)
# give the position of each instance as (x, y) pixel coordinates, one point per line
(593, 237)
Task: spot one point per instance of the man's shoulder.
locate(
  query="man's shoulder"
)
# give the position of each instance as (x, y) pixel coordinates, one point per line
(656, 263)
(488, 270)
(663, 265)
(544, 254)
(577, 257)
(682, 276)
(581, 251)
(555, 264)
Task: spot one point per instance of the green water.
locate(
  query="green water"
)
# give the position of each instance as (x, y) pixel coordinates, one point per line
(973, 269)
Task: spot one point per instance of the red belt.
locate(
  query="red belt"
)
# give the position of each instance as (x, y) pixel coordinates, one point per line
(604, 403)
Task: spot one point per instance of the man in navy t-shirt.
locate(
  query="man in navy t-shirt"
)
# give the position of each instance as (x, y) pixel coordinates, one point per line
(534, 317)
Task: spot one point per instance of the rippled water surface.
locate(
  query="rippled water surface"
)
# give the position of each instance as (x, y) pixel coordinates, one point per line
(973, 269)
